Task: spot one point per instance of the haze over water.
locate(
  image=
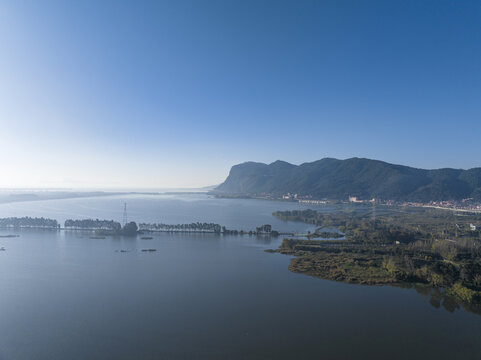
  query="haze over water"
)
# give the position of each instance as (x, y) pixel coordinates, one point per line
(67, 296)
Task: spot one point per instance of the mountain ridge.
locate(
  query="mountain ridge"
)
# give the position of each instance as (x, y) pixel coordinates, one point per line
(365, 178)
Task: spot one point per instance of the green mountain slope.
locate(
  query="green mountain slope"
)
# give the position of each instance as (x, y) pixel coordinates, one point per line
(365, 178)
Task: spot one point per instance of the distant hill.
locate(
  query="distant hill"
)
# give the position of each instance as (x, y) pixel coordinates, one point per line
(364, 178)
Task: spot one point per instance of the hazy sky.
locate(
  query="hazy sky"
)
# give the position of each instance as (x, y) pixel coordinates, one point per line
(172, 93)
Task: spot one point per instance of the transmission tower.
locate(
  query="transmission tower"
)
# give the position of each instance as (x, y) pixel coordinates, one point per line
(124, 219)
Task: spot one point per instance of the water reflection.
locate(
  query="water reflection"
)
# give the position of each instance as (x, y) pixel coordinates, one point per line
(438, 298)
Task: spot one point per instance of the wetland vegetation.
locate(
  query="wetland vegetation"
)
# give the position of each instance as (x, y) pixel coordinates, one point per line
(430, 248)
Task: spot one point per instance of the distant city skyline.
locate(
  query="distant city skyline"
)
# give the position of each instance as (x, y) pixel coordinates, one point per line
(171, 94)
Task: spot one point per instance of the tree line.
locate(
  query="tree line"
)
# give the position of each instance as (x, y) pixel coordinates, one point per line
(92, 224)
(193, 227)
(28, 222)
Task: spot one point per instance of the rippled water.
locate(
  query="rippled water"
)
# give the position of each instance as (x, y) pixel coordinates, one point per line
(66, 296)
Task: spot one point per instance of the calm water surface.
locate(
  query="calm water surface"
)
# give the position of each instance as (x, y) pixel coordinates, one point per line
(66, 296)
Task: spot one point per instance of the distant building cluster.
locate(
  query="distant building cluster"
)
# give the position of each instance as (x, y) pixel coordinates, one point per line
(289, 196)
(463, 205)
(354, 199)
(467, 205)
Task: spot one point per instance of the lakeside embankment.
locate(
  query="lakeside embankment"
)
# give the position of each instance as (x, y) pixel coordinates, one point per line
(111, 227)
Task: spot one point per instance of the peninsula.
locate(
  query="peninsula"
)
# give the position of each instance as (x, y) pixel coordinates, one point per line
(394, 246)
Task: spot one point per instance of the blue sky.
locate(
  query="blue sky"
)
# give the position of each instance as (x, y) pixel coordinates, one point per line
(172, 93)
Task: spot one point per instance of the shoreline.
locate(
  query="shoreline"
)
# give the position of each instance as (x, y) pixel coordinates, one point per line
(310, 201)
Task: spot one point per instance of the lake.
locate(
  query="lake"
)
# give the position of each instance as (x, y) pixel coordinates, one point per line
(199, 296)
